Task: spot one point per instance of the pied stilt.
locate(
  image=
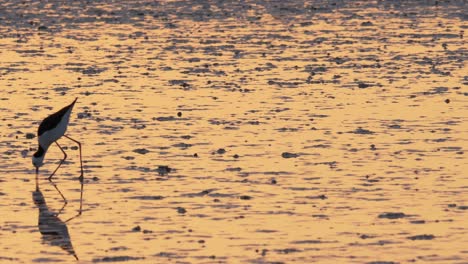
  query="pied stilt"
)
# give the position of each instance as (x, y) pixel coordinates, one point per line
(50, 130)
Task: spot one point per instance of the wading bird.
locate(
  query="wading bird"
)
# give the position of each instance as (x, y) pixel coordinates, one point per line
(50, 130)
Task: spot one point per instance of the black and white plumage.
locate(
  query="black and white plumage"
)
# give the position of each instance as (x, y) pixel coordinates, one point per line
(50, 130)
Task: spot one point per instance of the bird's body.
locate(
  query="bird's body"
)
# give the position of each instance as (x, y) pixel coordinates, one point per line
(52, 128)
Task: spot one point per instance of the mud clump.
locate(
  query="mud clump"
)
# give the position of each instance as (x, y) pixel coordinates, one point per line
(421, 237)
(392, 215)
(141, 151)
(288, 155)
(164, 170)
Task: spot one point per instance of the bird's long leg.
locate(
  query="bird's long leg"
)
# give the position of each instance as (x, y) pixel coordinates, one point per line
(60, 164)
(53, 173)
(81, 175)
(81, 199)
(81, 160)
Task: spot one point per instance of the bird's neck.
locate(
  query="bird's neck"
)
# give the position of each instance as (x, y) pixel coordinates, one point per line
(40, 152)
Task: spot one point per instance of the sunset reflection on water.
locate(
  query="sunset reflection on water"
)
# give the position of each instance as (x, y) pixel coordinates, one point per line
(250, 132)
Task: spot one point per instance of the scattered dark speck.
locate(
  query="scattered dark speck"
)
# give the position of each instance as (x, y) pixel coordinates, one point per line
(362, 131)
(136, 229)
(24, 153)
(181, 210)
(30, 135)
(164, 118)
(287, 250)
(147, 197)
(395, 126)
(367, 24)
(421, 237)
(166, 254)
(310, 241)
(182, 145)
(117, 259)
(221, 151)
(447, 101)
(392, 215)
(245, 197)
(141, 151)
(363, 85)
(163, 170)
(288, 155)
(321, 197)
(381, 262)
(179, 114)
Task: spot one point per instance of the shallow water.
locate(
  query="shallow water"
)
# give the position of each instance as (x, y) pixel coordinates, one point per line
(294, 132)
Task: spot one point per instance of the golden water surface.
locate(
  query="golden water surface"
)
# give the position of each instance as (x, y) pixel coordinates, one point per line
(295, 131)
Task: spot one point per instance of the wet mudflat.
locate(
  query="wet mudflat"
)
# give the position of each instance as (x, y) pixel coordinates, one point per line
(249, 132)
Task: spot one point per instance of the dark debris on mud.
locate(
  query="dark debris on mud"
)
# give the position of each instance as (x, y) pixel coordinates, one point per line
(288, 155)
(147, 197)
(392, 215)
(117, 259)
(421, 237)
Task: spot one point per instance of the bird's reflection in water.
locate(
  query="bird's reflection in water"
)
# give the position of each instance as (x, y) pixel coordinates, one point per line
(54, 231)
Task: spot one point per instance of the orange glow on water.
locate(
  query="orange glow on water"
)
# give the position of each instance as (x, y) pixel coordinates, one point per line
(343, 129)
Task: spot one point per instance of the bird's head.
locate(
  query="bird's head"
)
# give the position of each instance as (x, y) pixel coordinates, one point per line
(38, 158)
(37, 161)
